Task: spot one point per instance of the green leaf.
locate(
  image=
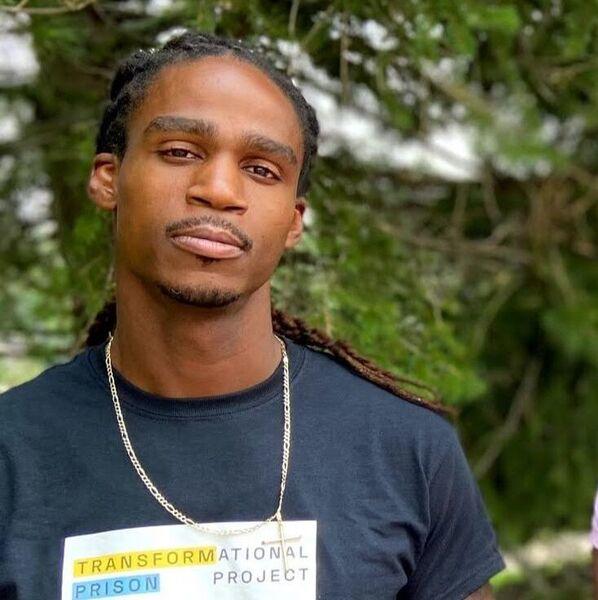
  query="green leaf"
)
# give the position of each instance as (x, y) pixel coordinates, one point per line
(504, 19)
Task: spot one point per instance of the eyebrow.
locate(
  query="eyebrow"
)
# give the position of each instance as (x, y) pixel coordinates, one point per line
(202, 127)
(168, 123)
(258, 142)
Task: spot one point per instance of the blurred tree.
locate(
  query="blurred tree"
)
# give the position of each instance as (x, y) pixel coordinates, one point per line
(452, 235)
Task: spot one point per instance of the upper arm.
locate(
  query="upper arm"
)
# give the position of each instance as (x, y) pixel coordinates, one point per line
(460, 551)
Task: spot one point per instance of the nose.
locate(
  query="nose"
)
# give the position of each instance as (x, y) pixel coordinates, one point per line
(217, 184)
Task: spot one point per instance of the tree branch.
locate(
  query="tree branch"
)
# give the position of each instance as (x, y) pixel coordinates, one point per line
(344, 64)
(522, 400)
(293, 17)
(66, 7)
(483, 249)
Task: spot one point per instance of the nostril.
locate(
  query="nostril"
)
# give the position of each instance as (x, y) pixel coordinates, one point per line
(199, 200)
(226, 202)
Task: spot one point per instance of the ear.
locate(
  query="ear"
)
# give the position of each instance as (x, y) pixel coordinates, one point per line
(296, 230)
(101, 187)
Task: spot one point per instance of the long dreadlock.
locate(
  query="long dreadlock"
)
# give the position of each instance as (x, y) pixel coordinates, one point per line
(128, 88)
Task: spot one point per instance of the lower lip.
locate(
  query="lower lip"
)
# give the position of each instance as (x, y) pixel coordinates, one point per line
(207, 248)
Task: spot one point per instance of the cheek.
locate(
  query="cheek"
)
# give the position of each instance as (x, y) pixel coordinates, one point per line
(145, 179)
(147, 192)
(273, 227)
(140, 216)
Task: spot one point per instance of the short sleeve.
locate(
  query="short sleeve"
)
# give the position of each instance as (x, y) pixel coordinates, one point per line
(460, 553)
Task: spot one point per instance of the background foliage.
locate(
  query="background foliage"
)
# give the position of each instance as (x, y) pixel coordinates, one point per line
(473, 271)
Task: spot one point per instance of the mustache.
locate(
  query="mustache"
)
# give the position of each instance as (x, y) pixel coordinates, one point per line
(220, 223)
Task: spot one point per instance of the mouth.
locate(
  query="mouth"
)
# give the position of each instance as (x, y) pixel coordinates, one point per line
(209, 242)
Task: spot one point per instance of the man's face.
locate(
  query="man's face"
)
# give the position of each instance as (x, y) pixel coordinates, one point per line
(215, 143)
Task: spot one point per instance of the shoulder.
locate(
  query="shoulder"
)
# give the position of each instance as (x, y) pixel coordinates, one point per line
(358, 393)
(369, 408)
(46, 392)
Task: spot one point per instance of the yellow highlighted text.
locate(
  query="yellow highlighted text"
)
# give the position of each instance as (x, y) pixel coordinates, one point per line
(145, 559)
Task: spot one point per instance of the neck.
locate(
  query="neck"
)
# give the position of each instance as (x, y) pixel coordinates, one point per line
(179, 351)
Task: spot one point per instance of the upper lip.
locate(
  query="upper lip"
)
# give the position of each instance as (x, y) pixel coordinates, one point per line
(211, 233)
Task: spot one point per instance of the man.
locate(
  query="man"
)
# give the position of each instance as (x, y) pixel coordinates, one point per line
(207, 449)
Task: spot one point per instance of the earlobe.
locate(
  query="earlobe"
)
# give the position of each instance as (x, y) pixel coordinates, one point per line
(101, 187)
(296, 230)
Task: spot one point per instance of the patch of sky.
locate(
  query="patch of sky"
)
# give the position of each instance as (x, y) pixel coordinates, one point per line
(9, 127)
(571, 134)
(370, 66)
(435, 110)
(448, 152)
(404, 84)
(364, 98)
(12, 116)
(300, 64)
(168, 34)
(44, 230)
(537, 15)
(436, 31)
(18, 63)
(459, 111)
(397, 17)
(377, 36)
(354, 58)
(447, 68)
(33, 205)
(563, 136)
(373, 33)
(156, 8)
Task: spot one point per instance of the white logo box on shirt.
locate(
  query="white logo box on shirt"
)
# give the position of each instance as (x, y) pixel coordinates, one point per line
(177, 562)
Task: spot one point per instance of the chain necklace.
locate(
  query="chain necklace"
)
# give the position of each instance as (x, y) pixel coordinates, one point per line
(175, 512)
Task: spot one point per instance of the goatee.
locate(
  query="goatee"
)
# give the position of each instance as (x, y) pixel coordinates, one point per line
(201, 297)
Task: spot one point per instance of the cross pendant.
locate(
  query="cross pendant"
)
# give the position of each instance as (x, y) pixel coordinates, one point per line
(282, 541)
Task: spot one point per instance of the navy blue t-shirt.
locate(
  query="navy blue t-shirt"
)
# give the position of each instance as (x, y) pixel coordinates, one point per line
(398, 513)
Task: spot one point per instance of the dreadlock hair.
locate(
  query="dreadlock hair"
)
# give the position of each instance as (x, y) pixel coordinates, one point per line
(127, 91)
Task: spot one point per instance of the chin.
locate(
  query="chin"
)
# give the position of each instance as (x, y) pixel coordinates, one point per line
(204, 297)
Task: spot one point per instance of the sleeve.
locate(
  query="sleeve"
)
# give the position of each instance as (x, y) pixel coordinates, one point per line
(460, 553)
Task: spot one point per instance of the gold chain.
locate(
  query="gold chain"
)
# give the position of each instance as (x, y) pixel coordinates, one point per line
(175, 512)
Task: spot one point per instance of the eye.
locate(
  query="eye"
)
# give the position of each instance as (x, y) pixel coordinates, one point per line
(177, 153)
(264, 172)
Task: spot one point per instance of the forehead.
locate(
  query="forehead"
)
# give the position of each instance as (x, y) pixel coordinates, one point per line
(231, 92)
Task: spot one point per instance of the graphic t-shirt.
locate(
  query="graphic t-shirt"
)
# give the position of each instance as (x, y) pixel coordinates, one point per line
(380, 503)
